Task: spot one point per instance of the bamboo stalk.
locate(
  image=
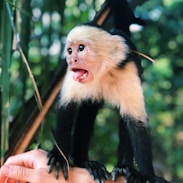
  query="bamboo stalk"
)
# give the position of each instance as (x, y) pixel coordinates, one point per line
(37, 94)
(6, 40)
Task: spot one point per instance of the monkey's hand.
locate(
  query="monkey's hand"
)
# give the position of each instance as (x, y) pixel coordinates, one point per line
(58, 162)
(97, 171)
(131, 175)
(134, 176)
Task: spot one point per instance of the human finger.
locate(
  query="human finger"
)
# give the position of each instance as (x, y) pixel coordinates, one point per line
(29, 159)
(20, 174)
(14, 173)
(10, 180)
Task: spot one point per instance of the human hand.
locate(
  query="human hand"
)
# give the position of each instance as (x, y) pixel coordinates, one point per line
(32, 167)
(24, 167)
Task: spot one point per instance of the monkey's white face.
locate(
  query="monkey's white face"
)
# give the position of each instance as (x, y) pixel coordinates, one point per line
(92, 52)
(79, 59)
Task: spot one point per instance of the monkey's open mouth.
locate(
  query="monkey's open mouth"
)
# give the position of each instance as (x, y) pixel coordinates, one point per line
(79, 74)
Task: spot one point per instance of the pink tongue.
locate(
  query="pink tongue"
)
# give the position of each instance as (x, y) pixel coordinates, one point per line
(78, 74)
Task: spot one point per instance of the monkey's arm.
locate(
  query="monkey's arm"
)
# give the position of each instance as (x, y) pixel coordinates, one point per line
(76, 145)
(62, 136)
(83, 130)
(82, 136)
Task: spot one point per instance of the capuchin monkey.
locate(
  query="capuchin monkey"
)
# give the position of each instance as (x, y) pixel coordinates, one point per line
(102, 66)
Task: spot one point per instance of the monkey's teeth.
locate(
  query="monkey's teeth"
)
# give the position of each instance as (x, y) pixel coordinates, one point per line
(84, 75)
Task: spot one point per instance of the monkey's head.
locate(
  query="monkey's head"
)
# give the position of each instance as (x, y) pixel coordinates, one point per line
(92, 51)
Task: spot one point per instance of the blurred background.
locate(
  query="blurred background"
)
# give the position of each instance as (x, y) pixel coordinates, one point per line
(42, 26)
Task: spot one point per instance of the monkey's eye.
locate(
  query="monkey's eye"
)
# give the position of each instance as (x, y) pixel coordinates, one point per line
(69, 50)
(81, 47)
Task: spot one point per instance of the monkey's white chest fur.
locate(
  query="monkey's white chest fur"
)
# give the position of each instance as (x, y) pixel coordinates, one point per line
(119, 87)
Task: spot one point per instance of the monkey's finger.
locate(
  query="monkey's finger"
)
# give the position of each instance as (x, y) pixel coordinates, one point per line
(99, 181)
(91, 167)
(65, 171)
(100, 171)
(50, 163)
(117, 172)
(105, 173)
(113, 176)
(57, 169)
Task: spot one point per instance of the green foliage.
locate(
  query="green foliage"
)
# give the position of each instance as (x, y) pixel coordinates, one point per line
(161, 38)
(163, 86)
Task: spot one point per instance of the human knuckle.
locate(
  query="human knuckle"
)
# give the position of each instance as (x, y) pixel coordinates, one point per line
(21, 172)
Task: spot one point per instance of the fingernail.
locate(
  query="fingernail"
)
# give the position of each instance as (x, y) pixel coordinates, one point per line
(5, 169)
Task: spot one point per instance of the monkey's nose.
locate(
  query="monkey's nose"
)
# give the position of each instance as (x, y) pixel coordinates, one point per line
(72, 60)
